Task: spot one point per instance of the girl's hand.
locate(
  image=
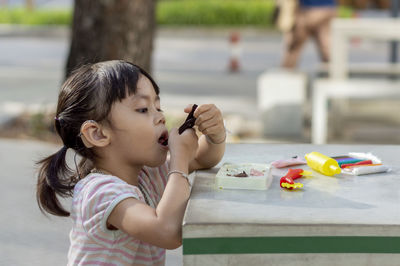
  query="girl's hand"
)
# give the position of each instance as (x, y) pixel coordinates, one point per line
(209, 121)
(182, 148)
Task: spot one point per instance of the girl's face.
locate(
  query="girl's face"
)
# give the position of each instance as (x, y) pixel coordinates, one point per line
(138, 133)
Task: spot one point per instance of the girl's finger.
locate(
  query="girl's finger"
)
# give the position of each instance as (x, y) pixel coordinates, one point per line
(203, 108)
(206, 124)
(213, 130)
(211, 127)
(215, 115)
(204, 117)
(188, 108)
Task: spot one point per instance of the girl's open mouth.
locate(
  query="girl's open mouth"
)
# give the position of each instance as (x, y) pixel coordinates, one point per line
(163, 139)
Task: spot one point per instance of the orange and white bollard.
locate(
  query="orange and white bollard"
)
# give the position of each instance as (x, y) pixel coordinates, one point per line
(355, 41)
(234, 41)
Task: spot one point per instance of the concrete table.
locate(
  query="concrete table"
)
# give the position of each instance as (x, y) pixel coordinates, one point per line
(342, 220)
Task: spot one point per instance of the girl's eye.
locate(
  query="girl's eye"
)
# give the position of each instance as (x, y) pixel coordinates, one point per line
(159, 110)
(142, 110)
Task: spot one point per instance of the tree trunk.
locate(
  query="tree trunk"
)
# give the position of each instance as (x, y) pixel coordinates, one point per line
(112, 29)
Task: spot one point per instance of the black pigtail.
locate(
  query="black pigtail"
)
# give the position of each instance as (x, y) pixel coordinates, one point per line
(54, 178)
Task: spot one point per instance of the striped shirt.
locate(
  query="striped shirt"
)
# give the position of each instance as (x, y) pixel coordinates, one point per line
(95, 196)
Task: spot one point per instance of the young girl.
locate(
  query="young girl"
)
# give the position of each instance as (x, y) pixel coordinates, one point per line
(128, 200)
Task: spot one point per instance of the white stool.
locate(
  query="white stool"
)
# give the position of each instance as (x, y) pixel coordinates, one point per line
(281, 95)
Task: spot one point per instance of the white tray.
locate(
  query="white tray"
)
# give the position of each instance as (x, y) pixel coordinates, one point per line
(225, 178)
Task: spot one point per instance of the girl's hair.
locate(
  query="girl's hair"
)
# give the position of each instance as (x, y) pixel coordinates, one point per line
(87, 94)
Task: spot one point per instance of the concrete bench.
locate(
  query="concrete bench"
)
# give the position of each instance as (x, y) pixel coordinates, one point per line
(339, 85)
(325, 89)
(345, 29)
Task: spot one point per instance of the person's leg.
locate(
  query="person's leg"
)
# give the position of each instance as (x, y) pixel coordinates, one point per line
(294, 41)
(322, 33)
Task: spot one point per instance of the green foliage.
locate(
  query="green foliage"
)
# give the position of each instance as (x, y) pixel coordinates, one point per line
(345, 12)
(215, 12)
(35, 17)
(172, 12)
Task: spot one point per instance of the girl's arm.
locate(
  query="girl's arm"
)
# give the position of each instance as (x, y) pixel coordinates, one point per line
(208, 154)
(162, 226)
(211, 149)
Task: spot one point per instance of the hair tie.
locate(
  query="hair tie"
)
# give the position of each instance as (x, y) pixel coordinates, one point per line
(65, 147)
(58, 119)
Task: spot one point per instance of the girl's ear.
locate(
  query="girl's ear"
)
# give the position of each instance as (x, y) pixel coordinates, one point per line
(94, 135)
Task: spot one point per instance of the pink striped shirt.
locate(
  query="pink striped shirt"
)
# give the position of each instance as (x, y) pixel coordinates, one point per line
(95, 196)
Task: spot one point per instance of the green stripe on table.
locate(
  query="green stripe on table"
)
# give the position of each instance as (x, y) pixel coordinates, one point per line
(315, 244)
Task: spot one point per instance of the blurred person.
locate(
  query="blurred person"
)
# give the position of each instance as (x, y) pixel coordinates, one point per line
(284, 14)
(312, 19)
(128, 198)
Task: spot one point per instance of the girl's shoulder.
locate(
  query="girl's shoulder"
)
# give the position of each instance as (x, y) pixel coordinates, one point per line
(92, 178)
(98, 181)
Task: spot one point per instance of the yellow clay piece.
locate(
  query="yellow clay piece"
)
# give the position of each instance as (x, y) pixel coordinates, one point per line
(322, 163)
(292, 186)
(306, 173)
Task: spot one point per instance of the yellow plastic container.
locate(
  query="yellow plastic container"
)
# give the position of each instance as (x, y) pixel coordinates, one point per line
(323, 164)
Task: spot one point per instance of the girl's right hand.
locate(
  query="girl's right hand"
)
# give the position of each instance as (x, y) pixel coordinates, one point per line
(182, 147)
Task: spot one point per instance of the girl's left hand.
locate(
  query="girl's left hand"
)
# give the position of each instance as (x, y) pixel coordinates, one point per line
(209, 121)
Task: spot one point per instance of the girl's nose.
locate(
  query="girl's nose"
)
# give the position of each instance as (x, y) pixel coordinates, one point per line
(160, 118)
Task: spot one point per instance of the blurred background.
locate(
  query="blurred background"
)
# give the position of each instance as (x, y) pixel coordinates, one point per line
(228, 52)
